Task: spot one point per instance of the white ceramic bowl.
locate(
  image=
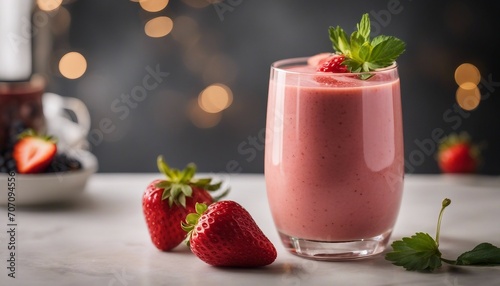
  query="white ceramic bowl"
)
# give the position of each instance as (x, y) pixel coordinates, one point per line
(38, 189)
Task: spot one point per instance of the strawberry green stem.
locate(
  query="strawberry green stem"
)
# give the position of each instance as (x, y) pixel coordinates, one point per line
(446, 202)
(452, 262)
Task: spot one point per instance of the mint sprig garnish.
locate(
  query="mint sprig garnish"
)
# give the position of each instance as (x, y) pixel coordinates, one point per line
(420, 252)
(363, 54)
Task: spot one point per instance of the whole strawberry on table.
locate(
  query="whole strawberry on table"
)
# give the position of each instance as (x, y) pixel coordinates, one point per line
(220, 233)
(167, 202)
(225, 234)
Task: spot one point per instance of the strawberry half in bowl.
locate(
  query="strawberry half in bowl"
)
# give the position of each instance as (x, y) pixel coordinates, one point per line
(38, 174)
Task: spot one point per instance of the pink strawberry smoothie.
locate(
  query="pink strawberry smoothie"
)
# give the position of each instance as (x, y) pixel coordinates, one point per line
(334, 154)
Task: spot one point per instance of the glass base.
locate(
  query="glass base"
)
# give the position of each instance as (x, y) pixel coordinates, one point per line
(336, 250)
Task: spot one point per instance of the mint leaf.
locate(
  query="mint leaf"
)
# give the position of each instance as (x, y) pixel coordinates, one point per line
(386, 51)
(364, 27)
(339, 40)
(357, 41)
(363, 55)
(417, 253)
(484, 254)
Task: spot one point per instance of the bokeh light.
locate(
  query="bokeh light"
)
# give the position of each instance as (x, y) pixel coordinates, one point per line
(468, 96)
(215, 98)
(201, 118)
(467, 74)
(159, 27)
(48, 5)
(72, 65)
(153, 5)
(468, 99)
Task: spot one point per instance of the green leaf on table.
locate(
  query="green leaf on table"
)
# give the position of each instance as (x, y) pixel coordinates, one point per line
(416, 253)
(485, 254)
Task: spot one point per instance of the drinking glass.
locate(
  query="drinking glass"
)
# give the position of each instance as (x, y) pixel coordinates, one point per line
(21, 108)
(334, 163)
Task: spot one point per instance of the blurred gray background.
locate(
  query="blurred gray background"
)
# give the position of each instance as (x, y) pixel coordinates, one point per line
(233, 43)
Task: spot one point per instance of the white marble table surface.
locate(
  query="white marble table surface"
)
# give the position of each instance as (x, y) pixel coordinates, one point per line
(101, 239)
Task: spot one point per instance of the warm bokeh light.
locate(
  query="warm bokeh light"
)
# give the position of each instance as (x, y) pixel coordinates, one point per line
(200, 118)
(197, 3)
(467, 74)
(72, 65)
(468, 99)
(48, 5)
(468, 77)
(215, 98)
(159, 27)
(153, 5)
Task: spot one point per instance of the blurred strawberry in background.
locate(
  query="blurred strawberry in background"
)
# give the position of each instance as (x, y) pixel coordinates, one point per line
(457, 154)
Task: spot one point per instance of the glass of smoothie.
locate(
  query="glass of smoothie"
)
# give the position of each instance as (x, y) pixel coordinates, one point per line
(333, 159)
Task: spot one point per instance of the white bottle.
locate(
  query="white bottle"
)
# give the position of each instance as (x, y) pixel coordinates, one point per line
(16, 63)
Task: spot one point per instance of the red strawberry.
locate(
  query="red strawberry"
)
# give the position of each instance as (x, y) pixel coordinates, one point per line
(333, 64)
(458, 155)
(318, 59)
(166, 203)
(33, 153)
(224, 234)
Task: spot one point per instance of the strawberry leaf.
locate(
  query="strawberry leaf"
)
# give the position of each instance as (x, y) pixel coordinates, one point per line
(186, 190)
(201, 182)
(163, 184)
(200, 208)
(213, 187)
(182, 200)
(417, 253)
(176, 190)
(192, 220)
(188, 172)
(166, 193)
(163, 167)
(179, 183)
(420, 252)
(484, 254)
